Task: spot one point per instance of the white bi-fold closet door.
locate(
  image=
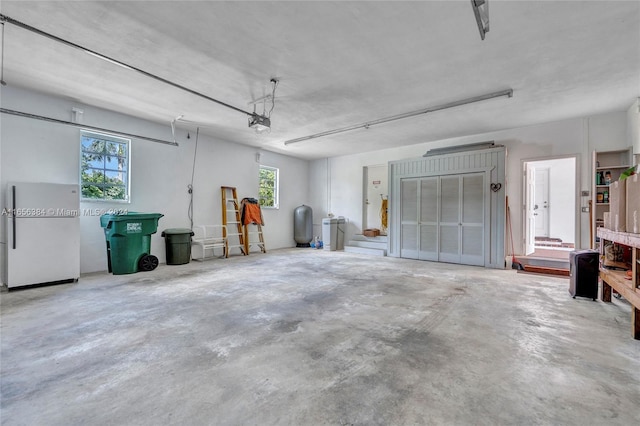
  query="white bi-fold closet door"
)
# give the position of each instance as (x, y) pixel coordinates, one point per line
(443, 218)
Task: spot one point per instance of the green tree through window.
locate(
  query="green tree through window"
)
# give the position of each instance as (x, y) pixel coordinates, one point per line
(104, 168)
(268, 191)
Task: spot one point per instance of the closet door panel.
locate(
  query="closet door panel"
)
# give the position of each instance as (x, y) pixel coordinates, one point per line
(472, 202)
(449, 199)
(429, 218)
(409, 219)
(473, 198)
(472, 246)
(449, 225)
(449, 243)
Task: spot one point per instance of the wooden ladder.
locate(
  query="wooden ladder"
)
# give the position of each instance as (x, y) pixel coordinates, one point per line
(234, 230)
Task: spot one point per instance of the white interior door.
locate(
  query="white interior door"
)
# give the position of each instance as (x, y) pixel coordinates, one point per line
(376, 188)
(530, 221)
(541, 205)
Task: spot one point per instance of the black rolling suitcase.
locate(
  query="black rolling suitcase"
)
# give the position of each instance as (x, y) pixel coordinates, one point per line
(583, 277)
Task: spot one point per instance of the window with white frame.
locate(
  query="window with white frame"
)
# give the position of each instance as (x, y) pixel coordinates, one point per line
(104, 167)
(268, 190)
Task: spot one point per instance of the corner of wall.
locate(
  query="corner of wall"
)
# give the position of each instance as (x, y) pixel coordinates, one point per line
(633, 126)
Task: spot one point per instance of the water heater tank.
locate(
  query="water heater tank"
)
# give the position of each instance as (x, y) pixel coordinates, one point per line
(303, 226)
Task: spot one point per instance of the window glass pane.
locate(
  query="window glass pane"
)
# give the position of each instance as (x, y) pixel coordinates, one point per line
(92, 144)
(104, 167)
(92, 176)
(115, 148)
(92, 160)
(118, 178)
(268, 187)
(91, 191)
(114, 192)
(115, 163)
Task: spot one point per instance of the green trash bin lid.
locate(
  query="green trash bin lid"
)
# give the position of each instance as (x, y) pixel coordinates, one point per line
(177, 231)
(125, 217)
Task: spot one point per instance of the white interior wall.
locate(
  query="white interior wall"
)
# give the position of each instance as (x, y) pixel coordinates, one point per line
(633, 126)
(569, 137)
(38, 151)
(32, 150)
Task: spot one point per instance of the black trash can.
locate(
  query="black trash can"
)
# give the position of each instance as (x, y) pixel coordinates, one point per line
(178, 245)
(583, 280)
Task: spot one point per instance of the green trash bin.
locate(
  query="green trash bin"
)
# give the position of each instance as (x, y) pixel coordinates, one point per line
(129, 241)
(178, 244)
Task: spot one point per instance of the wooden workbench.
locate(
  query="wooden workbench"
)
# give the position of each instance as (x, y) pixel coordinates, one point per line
(629, 289)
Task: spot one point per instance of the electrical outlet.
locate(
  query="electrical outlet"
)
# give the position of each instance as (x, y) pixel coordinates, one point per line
(585, 193)
(585, 210)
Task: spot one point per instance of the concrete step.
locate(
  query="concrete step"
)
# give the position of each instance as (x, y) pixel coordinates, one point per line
(365, 250)
(369, 244)
(379, 238)
(544, 262)
(543, 265)
(546, 270)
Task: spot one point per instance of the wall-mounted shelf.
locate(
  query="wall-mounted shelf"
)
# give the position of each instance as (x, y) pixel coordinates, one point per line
(614, 162)
(619, 167)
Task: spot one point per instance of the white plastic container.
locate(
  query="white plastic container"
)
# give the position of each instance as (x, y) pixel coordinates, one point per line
(329, 233)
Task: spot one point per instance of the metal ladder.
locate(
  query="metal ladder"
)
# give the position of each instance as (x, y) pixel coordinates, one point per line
(234, 231)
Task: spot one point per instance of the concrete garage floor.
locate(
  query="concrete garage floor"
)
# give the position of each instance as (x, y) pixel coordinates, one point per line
(306, 337)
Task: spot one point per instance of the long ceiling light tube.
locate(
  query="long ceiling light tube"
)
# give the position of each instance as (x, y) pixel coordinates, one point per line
(83, 126)
(5, 18)
(507, 92)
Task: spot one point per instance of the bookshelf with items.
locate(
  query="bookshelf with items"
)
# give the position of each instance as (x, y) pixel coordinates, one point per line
(607, 168)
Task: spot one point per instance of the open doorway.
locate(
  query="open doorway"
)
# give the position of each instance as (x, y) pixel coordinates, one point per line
(550, 207)
(375, 191)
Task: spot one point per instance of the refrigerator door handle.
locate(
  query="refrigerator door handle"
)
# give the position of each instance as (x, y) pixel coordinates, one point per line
(13, 219)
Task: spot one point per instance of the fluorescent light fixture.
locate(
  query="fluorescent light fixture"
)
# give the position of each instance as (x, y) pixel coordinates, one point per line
(111, 61)
(83, 126)
(481, 11)
(367, 125)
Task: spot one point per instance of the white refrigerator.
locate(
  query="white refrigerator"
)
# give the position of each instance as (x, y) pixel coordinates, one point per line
(43, 234)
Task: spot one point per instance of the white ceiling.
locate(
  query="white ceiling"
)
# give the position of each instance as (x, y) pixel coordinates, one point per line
(339, 64)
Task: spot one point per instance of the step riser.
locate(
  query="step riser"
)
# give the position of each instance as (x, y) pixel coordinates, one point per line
(368, 244)
(546, 263)
(560, 264)
(365, 250)
(360, 237)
